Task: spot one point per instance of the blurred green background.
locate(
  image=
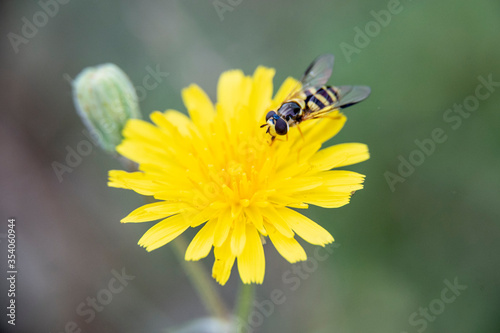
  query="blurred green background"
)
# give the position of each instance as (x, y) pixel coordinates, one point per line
(397, 246)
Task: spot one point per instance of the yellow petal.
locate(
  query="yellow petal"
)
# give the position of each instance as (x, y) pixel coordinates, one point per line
(173, 194)
(154, 211)
(222, 229)
(139, 153)
(255, 217)
(324, 198)
(200, 107)
(276, 220)
(289, 248)
(238, 238)
(230, 91)
(183, 124)
(289, 85)
(339, 183)
(252, 262)
(326, 129)
(162, 173)
(143, 142)
(136, 181)
(172, 131)
(340, 155)
(141, 130)
(217, 166)
(286, 200)
(341, 177)
(310, 231)
(224, 261)
(296, 184)
(262, 91)
(197, 217)
(163, 232)
(201, 244)
(161, 121)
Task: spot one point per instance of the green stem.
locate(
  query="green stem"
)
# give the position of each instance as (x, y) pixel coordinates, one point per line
(201, 281)
(244, 303)
(195, 272)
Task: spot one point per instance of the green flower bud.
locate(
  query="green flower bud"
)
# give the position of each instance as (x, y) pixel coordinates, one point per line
(105, 100)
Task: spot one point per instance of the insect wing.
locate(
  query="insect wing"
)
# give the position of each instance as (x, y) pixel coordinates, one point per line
(318, 72)
(316, 75)
(350, 95)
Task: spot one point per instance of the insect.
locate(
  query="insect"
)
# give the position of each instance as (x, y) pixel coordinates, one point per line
(312, 99)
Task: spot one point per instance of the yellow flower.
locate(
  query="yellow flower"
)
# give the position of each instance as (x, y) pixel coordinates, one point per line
(217, 170)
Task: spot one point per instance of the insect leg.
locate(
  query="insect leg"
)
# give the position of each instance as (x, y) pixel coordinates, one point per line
(300, 131)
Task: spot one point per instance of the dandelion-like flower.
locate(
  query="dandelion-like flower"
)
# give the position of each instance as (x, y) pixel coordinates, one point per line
(216, 170)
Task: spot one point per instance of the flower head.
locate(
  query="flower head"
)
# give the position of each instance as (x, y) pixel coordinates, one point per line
(217, 170)
(105, 99)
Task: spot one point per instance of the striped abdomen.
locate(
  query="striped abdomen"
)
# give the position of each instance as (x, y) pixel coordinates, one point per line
(319, 98)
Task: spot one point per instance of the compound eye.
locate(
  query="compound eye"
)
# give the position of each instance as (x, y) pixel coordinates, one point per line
(270, 114)
(281, 127)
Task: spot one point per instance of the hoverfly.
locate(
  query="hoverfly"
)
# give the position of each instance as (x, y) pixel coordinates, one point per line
(312, 99)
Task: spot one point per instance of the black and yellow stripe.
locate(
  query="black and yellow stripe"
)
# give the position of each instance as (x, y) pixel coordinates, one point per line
(319, 98)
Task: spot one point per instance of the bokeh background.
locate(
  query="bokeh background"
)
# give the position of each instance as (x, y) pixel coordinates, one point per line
(397, 246)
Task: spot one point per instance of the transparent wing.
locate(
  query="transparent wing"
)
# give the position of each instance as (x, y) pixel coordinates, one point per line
(317, 74)
(350, 95)
(346, 96)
